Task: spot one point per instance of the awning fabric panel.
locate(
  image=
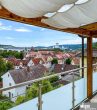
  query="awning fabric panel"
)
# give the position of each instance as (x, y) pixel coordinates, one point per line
(77, 16)
(34, 8)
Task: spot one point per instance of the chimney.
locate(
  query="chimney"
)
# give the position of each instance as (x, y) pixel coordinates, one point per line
(21, 65)
(28, 69)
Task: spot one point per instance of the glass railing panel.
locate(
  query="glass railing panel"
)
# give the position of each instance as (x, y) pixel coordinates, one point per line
(59, 99)
(94, 81)
(30, 105)
(80, 90)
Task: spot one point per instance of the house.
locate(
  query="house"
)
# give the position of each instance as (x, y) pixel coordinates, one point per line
(79, 55)
(75, 61)
(35, 61)
(58, 68)
(13, 77)
(18, 63)
(62, 57)
(46, 61)
(39, 54)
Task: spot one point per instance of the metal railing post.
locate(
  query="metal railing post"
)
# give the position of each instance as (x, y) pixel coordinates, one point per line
(40, 97)
(73, 92)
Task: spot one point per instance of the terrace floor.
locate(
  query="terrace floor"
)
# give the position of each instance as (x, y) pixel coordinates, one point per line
(89, 105)
(94, 99)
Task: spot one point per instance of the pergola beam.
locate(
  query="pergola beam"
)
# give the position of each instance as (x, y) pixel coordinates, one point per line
(5, 14)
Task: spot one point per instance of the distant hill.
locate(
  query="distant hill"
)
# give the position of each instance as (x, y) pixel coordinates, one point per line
(64, 46)
(12, 47)
(74, 46)
(6, 46)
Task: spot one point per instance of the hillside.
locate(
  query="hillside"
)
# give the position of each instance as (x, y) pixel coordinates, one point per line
(6, 46)
(69, 46)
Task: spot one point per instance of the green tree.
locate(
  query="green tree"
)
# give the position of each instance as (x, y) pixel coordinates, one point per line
(54, 61)
(21, 55)
(54, 79)
(32, 92)
(20, 100)
(5, 105)
(3, 67)
(46, 86)
(57, 50)
(0, 79)
(9, 66)
(68, 61)
(10, 53)
(95, 45)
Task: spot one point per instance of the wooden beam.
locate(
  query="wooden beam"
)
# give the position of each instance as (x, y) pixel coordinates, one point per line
(91, 27)
(94, 34)
(89, 67)
(5, 14)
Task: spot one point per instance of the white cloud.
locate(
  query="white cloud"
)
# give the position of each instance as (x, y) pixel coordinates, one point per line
(2, 27)
(42, 29)
(9, 38)
(22, 30)
(11, 28)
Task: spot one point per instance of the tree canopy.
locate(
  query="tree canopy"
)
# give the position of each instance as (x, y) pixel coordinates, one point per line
(16, 54)
(5, 105)
(54, 61)
(5, 66)
(68, 61)
(95, 45)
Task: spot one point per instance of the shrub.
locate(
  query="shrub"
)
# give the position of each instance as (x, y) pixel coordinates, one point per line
(20, 100)
(68, 61)
(54, 61)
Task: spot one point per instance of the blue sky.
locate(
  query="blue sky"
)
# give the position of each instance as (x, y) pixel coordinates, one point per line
(18, 34)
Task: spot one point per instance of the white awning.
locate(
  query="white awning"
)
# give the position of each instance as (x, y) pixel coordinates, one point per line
(76, 16)
(34, 8)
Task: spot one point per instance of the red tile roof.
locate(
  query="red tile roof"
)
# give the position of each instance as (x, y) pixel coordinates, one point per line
(17, 62)
(36, 61)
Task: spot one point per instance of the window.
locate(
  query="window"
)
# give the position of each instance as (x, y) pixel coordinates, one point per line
(9, 94)
(9, 84)
(8, 75)
(12, 95)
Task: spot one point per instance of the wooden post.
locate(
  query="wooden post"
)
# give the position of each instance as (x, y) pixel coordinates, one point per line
(89, 67)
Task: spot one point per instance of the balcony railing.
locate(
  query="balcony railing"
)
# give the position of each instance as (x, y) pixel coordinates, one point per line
(66, 97)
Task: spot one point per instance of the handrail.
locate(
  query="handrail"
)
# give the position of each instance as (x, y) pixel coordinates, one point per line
(40, 79)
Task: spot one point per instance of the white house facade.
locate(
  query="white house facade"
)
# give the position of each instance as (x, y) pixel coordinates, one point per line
(12, 93)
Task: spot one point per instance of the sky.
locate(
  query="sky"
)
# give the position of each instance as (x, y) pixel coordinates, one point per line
(24, 35)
